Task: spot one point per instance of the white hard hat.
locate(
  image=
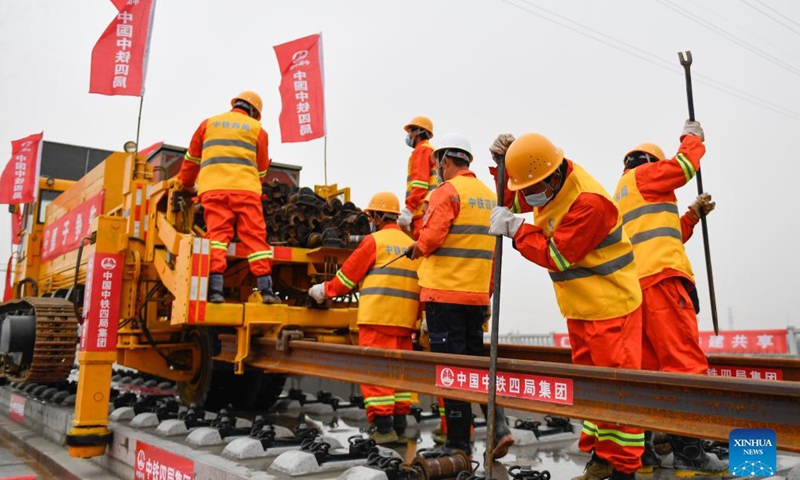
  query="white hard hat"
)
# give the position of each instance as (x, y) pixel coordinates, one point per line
(454, 141)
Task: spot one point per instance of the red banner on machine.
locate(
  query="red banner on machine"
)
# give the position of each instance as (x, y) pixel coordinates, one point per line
(302, 89)
(101, 302)
(517, 385)
(119, 58)
(65, 234)
(153, 463)
(19, 181)
(735, 341)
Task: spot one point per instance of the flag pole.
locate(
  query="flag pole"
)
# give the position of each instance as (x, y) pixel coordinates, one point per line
(139, 166)
(325, 158)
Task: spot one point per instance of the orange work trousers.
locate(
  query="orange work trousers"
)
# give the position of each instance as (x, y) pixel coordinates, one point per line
(670, 340)
(384, 401)
(613, 343)
(226, 209)
(416, 227)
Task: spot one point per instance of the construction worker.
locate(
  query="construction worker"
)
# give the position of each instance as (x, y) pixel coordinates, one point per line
(229, 160)
(388, 307)
(646, 199)
(577, 235)
(421, 173)
(455, 276)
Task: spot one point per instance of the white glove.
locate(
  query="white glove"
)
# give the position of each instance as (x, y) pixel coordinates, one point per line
(423, 327)
(693, 128)
(703, 201)
(504, 222)
(405, 219)
(500, 146)
(317, 292)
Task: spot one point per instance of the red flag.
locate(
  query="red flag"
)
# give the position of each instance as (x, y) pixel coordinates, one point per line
(16, 226)
(18, 183)
(119, 58)
(8, 293)
(149, 150)
(302, 89)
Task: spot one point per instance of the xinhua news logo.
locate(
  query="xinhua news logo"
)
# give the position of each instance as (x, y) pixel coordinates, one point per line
(753, 452)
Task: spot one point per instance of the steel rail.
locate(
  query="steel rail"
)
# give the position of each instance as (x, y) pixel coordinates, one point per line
(706, 407)
(789, 366)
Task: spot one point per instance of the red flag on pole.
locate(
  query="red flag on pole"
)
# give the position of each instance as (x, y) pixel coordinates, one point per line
(19, 181)
(302, 89)
(119, 58)
(16, 226)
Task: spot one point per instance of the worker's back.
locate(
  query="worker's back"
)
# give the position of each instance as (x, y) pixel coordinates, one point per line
(229, 154)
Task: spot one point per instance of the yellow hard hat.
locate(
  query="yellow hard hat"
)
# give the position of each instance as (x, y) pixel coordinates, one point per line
(421, 122)
(384, 202)
(647, 147)
(530, 159)
(252, 98)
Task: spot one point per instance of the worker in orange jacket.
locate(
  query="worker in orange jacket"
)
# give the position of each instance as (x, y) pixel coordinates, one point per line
(229, 160)
(646, 199)
(388, 307)
(455, 276)
(577, 236)
(421, 176)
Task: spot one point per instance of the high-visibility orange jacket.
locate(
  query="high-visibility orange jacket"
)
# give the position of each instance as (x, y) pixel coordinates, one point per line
(454, 241)
(578, 236)
(646, 199)
(228, 152)
(389, 296)
(421, 177)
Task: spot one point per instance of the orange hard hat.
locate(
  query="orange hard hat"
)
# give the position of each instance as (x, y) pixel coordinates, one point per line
(421, 122)
(384, 202)
(647, 147)
(252, 98)
(530, 159)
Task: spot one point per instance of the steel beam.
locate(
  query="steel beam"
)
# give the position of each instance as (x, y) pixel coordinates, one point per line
(789, 366)
(706, 407)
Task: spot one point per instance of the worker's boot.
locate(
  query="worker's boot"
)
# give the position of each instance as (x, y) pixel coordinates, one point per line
(384, 430)
(596, 469)
(439, 435)
(264, 283)
(215, 282)
(503, 439)
(400, 425)
(459, 424)
(690, 460)
(650, 459)
(615, 475)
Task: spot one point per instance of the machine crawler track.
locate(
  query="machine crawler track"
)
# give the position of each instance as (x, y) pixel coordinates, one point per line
(56, 340)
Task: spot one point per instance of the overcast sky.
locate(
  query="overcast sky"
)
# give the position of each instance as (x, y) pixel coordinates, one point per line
(475, 67)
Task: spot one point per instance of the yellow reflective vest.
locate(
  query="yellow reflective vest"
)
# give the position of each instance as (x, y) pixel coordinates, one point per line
(229, 154)
(433, 179)
(464, 261)
(602, 285)
(390, 295)
(654, 229)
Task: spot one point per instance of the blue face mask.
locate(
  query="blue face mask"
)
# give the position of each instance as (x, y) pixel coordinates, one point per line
(537, 199)
(409, 140)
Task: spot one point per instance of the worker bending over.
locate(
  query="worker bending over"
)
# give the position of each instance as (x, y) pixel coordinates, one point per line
(455, 276)
(421, 176)
(388, 307)
(228, 157)
(646, 199)
(577, 235)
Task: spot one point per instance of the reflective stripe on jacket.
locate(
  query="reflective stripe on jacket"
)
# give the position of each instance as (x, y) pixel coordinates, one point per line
(463, 262)
(603, 284)
(654, 229)
(229, 154)
(390, 295)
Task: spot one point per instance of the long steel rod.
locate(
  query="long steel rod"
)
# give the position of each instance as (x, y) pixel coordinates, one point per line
(706, 407)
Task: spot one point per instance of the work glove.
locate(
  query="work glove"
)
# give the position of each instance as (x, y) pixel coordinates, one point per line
(415, 252)
(504, 222)
(317, 292)
(703, 204)
(405, 219)
(692, 127)
(500, 146)
(423, 327)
